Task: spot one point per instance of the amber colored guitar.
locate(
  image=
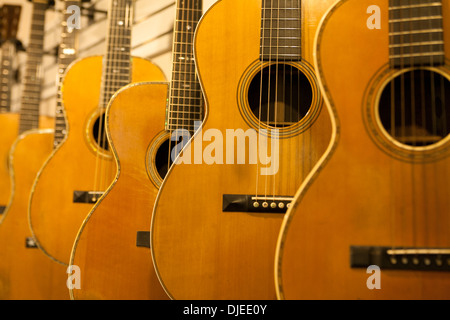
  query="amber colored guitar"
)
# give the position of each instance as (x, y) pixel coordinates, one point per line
(26, 273)
(372, 221)
(9, 121)
(82, 167)
(217, 215)
(118, 225)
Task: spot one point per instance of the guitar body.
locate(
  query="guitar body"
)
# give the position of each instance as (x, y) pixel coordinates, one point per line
(26, 273)
(9, 122)
(75, 165)
(112, 264)
(199, 251)
(363, 192)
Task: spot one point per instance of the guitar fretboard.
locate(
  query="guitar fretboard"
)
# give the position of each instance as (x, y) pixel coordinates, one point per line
(416, 33)
(31, 95)
(66, 55)
(117, 63)
(281, 30)
(185, 103)
(8, 49)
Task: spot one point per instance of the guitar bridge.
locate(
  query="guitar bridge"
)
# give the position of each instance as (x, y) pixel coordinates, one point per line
(86, 196)
(421, 259)
(259, 204)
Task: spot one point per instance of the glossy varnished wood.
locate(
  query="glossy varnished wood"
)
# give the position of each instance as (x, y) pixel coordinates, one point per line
(9, 122)
(113, 267)
(360, 195)
(54, 218)
(199, 251)
(26, 273)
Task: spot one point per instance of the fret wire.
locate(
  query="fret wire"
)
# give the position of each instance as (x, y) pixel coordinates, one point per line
(415, 27)
(416, 44)
(413, 6)
(416, 31)
(415, 19)
(418, 54)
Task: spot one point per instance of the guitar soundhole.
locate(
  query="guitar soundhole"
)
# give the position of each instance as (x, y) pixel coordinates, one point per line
(414, 108)
(162, 159)
(280, 95)
(99, 133)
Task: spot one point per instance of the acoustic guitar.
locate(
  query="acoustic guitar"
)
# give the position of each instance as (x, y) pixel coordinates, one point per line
(372, 220)
(26, 273)
(219, 210)
(81, 167)
(9, 121)
(118, 224)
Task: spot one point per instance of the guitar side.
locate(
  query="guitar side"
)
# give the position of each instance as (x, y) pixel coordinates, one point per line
(54, 216)
(105, 249)
(359, 195)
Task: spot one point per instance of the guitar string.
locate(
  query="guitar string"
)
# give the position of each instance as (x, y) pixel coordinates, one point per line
(197, 100)
(392, 124)
(122, 67)
(269, 73)
(175, 65)
(273, 21)
(423, 71)
(301, 142)
(412, 119)
(174, 91)
(111, 80)
(110, 83)
(441, 95)
(113, 73)
(275, 107)
(104, 79)
(186, 104)
(262, 49)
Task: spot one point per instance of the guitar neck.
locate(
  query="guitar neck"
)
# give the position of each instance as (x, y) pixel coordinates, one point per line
(117, 61)
(416, 33)
(31, 95)
(10, 16)
(8, 50)
(281, 30)
(185, 103)
(66, 55)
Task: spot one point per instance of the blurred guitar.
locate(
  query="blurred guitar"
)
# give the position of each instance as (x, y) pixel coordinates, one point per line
(112, 243)
(81, 167)
(25, 272)
(9, 121)
(219, 210)
(373, 220)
